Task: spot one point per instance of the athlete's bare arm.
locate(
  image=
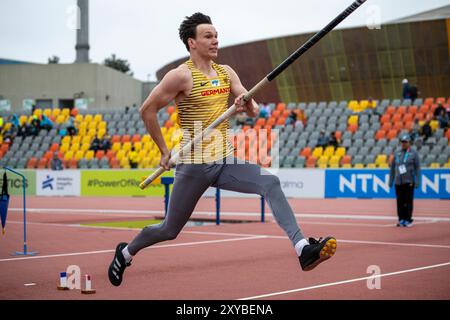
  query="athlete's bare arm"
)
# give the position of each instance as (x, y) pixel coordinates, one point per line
(175, 85)
(238, 90)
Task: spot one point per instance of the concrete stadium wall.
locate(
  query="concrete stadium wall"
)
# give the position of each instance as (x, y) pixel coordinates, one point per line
(102, 86)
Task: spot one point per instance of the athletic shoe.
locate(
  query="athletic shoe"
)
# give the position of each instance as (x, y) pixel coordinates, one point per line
(316, 252)
(401, 223)
(118, 265)
(408, 224)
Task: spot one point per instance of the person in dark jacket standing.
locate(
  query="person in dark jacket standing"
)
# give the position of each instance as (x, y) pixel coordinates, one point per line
(405, 174)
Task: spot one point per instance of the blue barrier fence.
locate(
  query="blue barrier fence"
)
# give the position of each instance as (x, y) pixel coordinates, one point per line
(167, 181)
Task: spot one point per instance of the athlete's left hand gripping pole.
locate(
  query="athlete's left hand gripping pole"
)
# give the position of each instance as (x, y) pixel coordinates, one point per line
(227, 114)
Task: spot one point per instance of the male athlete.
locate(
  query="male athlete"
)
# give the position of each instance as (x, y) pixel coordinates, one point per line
(200, 89)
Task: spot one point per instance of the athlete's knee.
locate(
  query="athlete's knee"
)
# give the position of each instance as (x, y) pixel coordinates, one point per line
(171, 234)
(272, 182)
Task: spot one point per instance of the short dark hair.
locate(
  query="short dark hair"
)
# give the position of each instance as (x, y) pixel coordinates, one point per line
(188, 27)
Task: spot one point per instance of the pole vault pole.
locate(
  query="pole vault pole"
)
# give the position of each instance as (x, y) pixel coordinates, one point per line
(270, 77)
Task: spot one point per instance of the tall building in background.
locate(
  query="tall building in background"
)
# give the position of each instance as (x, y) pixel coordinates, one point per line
(82, 46)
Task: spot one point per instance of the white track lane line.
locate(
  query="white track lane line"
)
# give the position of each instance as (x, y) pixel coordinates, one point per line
(64, 211)
(152, 247)
(272, 294)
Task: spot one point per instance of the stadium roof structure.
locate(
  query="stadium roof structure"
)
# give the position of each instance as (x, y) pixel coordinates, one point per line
(434, 14)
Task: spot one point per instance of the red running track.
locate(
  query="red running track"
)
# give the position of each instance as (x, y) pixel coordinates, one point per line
(231, 261)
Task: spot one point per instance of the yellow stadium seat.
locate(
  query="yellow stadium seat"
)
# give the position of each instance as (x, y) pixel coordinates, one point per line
(147, 146)
(126, 146)
(92, 125)
(85, 147)
(383, 165)
(120, 154)
(48, 112)
(64, 147)
(353, 104)
(371, 165)
(83, 125)
(146, 138)
(435, 165)
(37, 112)
(138, 146)
(68, 155)
(353, 120)
(142, 154)
(60, 119)
(116, 146)
(322, 160)
(56, 112)
(79, 155)
(88, 118)
(102, 125)
(75, 147)
(334, 160)
(7, 126)
(92, 132)
(1, 139)
(329, 151)
(76, 139)
(79, 118)
(66, 140)
(86, 139)
(124, 163)
(82, 132)
(89, 155)
(65, 112)
(447, 165)
(358, 166)
(340, 152)
(347, 166)
(163, 130)
(317, 152)
(98, 118)
(381, 158)
(334, 166)
(434, 124)
(23, 119)
(101, 133)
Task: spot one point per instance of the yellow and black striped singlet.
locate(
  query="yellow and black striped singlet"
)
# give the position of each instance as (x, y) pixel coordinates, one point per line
(207, 101)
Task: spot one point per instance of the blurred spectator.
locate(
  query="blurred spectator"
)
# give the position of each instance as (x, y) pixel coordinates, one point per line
(292, 118)
(323, 140)
(415, 131)
(105, 143)
(1, 123)
(56, 163)
(426, 130)
(240, 118)
(334, 141)
(46, 123)
(405, 94)
(71, 129)
(133, 157)
(443, 119)
(413, 93)
(95, 144)
(438, 110)
(35, 126)
(264, 111)
(15, 121)
(299, 124)
(23, 130)
(127, 108)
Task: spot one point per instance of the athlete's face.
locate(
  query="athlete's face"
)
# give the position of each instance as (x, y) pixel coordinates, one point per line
(206, 42)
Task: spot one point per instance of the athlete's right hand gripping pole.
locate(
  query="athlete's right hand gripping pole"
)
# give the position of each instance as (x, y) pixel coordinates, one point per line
(227, 114)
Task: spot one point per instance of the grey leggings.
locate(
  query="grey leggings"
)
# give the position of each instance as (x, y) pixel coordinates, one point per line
(192, 180)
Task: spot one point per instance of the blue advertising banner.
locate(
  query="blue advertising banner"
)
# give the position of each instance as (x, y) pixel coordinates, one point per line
(365, 183)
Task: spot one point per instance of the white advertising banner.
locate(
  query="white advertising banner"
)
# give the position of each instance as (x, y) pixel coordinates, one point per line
(58, 183)
(296, 183)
